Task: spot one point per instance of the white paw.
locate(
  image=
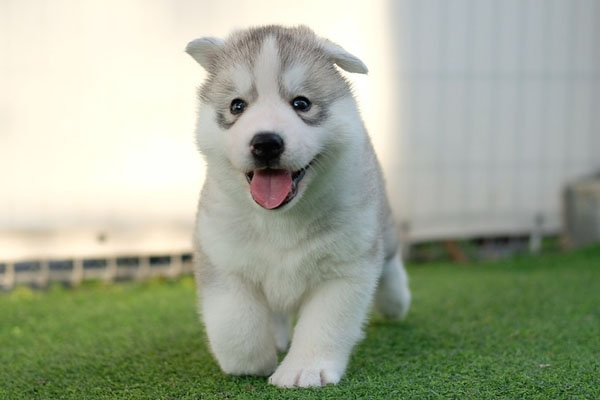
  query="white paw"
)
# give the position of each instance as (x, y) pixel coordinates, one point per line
(314, 374)
(258, 364)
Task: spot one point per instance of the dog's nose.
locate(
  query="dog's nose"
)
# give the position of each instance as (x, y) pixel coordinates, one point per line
(266, 146)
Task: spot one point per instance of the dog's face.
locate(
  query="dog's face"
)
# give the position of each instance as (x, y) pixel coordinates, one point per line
(267, 107)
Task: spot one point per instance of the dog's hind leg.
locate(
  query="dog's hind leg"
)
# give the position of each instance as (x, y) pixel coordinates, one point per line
(281, 330)
(392, 298)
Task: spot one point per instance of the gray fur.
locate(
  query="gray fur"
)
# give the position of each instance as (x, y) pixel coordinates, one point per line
(297, 45)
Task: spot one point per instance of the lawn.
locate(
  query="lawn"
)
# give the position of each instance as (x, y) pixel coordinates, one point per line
(526, 328)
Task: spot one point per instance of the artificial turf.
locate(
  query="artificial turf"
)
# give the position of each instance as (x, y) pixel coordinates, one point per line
(526, 328)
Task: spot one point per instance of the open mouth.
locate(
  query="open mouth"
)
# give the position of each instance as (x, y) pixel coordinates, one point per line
(274, 188)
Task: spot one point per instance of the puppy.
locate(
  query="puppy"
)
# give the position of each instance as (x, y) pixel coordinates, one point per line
(293, 217)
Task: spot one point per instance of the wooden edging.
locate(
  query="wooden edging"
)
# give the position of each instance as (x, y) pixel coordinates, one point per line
(39, 272)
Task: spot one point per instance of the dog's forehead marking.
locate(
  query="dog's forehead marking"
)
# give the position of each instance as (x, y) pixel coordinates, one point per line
(266, 68)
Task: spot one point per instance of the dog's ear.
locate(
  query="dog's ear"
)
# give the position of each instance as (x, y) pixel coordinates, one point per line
(205, 50)
(343, 59)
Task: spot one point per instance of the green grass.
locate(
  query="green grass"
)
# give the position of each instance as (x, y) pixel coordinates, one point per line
(523, 328)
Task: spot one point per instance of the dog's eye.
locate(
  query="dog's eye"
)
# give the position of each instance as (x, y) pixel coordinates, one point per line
(301, 103)
(237, 106)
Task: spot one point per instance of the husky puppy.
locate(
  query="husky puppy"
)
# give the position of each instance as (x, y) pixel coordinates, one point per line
(293, 217)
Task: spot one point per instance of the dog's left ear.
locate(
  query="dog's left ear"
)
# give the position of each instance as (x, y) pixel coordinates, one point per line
(343, 59)
(205, 50)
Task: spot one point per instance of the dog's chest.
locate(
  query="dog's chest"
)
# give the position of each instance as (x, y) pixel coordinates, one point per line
(284, 260)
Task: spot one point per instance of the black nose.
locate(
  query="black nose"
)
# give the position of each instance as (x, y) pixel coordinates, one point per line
(266, 146)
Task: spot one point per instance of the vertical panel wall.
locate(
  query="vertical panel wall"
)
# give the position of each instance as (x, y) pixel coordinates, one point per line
(499, 108)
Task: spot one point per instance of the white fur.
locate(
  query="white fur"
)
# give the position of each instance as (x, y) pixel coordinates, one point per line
(241, 77)
(393, 296)
(266, 68)
(320, 256)
(294, 77)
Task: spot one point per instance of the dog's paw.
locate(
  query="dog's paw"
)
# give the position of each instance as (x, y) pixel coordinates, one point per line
(251, 363)
(310, 375)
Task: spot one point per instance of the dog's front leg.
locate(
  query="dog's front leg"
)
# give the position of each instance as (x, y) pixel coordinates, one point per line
(329, 326)
(238, 327)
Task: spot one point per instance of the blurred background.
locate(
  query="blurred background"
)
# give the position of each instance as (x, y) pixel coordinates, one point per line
(482, 112)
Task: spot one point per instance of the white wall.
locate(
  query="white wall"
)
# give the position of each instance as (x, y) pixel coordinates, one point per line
(98, 98)
(479, 109)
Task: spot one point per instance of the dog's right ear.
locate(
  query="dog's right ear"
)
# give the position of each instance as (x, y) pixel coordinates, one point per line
(205, 50)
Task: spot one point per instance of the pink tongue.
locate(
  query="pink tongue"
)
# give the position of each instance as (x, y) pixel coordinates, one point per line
(270, 187)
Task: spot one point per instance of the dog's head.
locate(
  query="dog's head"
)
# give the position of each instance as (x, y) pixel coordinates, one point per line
(270, 107)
